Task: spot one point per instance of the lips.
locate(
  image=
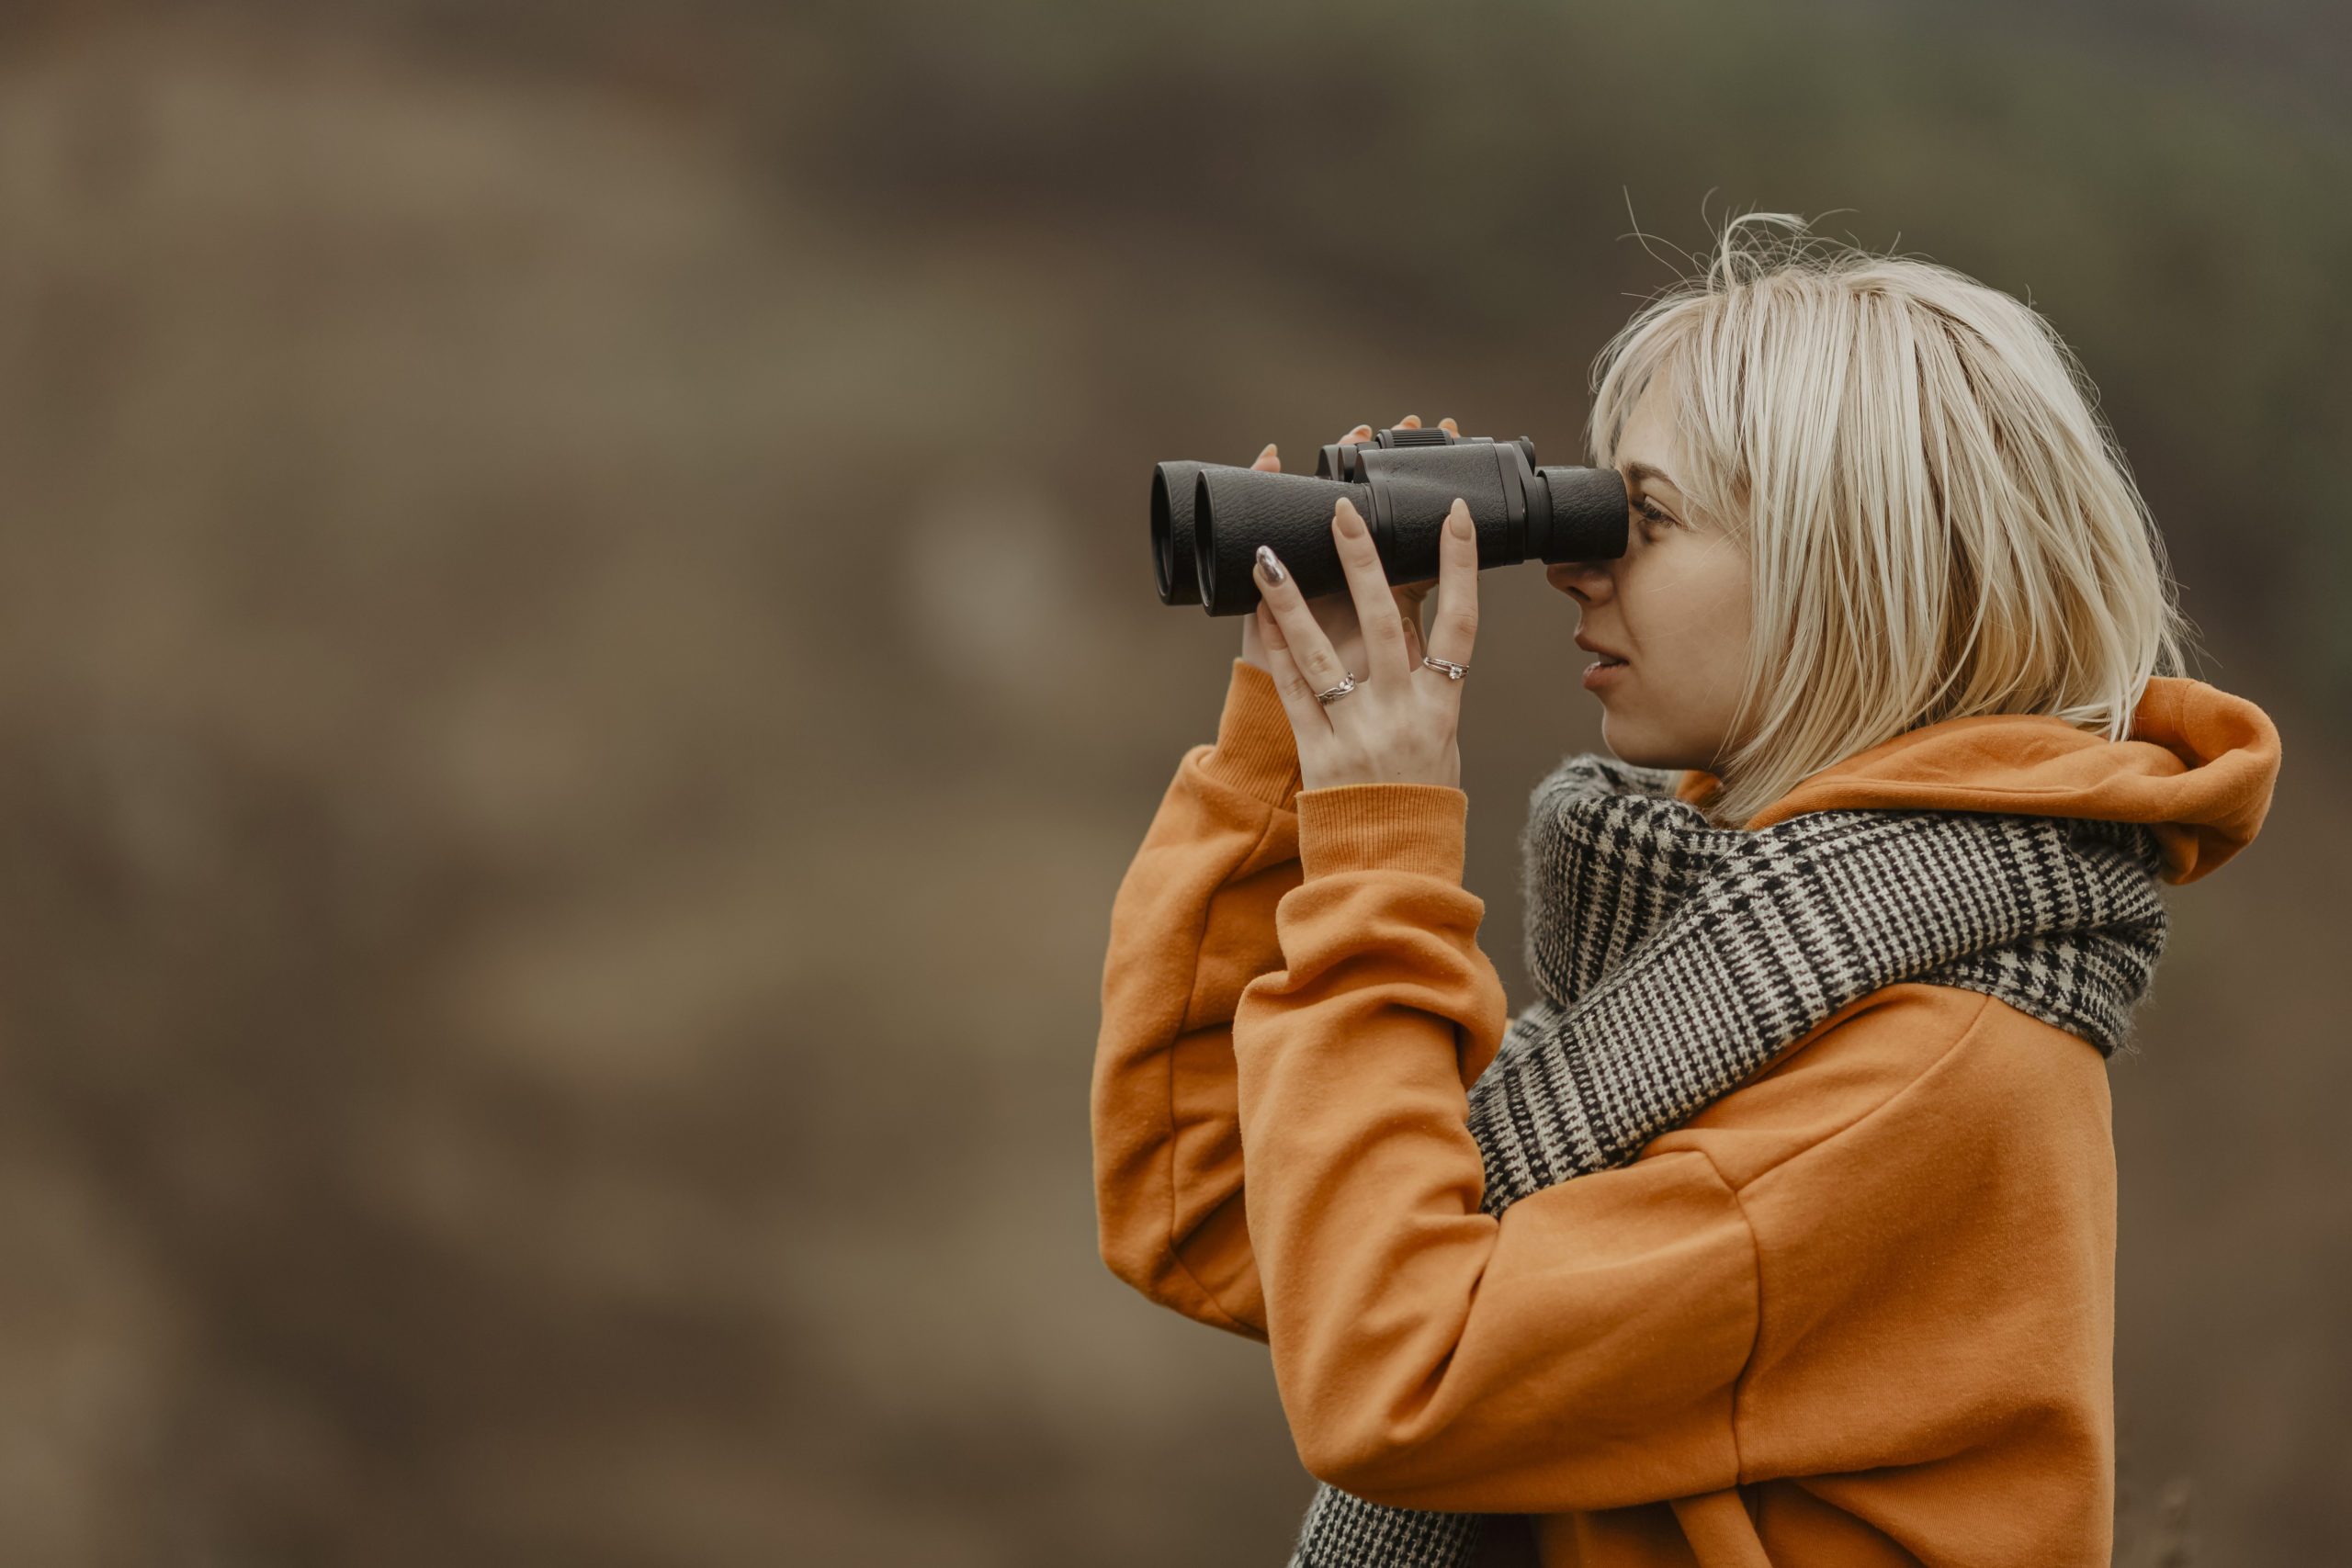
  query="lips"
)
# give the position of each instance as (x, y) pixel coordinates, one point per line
(1607, 657)
(1601, 673)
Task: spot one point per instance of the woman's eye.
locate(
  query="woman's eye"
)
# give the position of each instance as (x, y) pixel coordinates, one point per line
(1652, 515)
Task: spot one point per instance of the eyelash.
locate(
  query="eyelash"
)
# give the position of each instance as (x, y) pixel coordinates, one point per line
(1650, 511)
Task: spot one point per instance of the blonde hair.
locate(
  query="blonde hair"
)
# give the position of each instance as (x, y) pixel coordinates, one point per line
(1938, 523)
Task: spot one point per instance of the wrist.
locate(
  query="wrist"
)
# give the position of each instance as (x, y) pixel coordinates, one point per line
(1426, 772)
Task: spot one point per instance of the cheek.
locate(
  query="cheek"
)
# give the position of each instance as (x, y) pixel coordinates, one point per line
(1722, 608)
(1689, 620)
(1693, 641)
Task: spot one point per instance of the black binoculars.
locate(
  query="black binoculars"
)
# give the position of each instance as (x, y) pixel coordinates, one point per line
(1208, 519)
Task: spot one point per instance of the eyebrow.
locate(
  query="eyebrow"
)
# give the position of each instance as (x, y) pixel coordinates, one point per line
(1636, 472)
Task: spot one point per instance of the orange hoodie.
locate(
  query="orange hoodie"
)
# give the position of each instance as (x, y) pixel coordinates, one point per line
(1857, 1311)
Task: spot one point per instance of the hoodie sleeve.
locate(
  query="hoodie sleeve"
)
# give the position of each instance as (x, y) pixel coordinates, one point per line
(1193, 925)
(1584, 1348)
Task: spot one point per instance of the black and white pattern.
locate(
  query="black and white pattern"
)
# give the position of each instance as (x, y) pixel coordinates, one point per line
(1676, 960)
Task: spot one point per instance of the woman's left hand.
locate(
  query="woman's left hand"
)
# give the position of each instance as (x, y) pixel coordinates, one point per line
(1398, 725)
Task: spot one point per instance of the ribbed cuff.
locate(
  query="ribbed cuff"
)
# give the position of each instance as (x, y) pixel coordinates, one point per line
(1255, 751)
(1383, 827)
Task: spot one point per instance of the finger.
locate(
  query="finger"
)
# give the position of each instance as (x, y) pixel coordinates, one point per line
(1269, 461)
(1298, 697)
(1410, 422)
(1410, 600)
(1303, 639)
(1449, 427)
(1456, 630)
(1376, 616)
(1360, 432)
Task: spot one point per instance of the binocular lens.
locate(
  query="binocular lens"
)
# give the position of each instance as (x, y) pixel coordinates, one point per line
(1173, 488)
(1209, 520)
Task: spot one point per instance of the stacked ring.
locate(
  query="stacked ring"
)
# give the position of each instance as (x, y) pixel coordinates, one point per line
(1452, 672)
(1347, 683)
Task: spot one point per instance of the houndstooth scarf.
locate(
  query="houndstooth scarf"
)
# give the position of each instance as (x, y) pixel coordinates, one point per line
(1675, 960)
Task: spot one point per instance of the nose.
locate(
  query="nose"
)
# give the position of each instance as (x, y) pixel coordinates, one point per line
(1588, 582)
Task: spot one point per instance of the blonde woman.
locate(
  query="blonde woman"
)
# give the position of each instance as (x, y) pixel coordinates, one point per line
(1781, 1230)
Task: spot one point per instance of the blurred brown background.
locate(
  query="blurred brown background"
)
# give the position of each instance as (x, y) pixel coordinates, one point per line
(577, 672)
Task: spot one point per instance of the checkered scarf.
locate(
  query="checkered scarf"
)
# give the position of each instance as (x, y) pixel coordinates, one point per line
(1676, 960)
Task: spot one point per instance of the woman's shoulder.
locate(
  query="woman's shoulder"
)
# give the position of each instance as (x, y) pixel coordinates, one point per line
(1926, 1076)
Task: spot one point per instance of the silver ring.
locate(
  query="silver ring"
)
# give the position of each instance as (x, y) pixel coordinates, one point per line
(1450, 671)
(1347, 683)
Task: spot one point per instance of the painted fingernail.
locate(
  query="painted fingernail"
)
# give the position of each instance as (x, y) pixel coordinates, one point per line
(1349, 520)
(1269, 564)
(1457, 522)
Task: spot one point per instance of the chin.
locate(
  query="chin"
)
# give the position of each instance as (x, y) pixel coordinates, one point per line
(1643, 747)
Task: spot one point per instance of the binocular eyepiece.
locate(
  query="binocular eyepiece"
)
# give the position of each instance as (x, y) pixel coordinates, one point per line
(1208, 519)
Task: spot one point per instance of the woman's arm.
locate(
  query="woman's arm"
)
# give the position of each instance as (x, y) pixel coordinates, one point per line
(1193, 924)
(1579, 1353)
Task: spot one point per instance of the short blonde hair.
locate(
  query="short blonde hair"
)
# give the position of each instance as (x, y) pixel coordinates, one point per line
(1940, 523)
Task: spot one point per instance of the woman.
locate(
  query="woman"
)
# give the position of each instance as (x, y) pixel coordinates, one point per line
(1782, 1230)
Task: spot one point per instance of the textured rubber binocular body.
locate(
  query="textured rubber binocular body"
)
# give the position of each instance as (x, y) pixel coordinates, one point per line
(1208, 519)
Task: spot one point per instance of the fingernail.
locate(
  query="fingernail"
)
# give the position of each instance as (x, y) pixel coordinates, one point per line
(1457, 522)
(1351, 522)
(1269, 564)
(1270, 446)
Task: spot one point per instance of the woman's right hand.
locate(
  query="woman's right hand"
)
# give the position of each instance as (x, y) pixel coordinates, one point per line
(1336, 612)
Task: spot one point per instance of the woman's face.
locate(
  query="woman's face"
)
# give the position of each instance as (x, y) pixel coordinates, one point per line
(1667, 620)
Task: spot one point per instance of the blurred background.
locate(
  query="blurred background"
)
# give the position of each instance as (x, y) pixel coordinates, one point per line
(578, 671)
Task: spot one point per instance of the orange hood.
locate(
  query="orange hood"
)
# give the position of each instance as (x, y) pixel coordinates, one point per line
(2197, 768)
